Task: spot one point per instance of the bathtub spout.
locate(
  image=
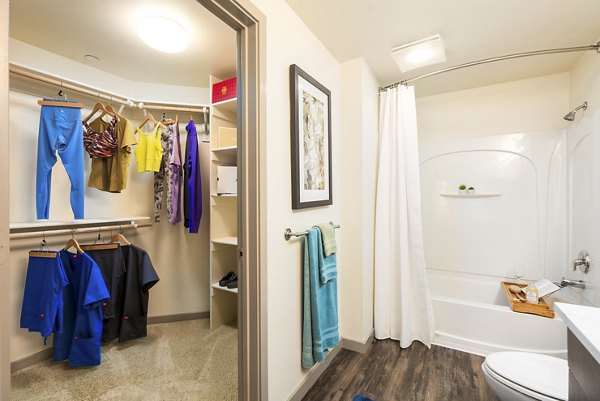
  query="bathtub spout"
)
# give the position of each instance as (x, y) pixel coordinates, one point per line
(565, 282)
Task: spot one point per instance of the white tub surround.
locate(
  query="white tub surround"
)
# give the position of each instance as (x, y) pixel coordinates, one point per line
(584, 322)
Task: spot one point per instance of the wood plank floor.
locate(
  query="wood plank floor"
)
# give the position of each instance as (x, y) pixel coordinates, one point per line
(389, 373)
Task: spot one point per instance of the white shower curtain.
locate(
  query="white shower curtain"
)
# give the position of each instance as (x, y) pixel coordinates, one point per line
(403, 308)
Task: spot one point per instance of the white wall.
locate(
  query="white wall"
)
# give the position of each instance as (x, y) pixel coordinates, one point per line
(289, 41)
(585, 84)
(4, 207)
(359, 164)
(529, 105)
(180, 259)
(26, 55)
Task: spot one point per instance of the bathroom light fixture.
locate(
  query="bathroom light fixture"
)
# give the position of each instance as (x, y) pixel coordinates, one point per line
(420, 53)
(163, 34)
(570, 116)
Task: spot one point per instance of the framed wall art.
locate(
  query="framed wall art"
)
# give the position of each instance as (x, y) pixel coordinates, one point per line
(310, 141)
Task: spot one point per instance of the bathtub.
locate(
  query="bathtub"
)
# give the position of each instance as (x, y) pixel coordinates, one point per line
(472, 315)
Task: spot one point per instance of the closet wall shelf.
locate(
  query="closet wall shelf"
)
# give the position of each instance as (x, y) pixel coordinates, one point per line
(48, 227)
(227, 150)
(227, 105)
(470, 195)
(216, 286)
(224, 195)
(226, 241)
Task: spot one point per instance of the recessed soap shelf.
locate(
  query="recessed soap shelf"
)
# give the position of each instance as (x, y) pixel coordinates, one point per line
(475, 195)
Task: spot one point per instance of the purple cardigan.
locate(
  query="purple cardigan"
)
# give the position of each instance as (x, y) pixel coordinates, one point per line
(192, 188)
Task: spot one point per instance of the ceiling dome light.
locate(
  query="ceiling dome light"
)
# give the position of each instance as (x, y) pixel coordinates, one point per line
(163, 34)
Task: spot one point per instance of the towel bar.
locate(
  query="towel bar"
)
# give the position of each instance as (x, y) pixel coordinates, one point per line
(288, 234)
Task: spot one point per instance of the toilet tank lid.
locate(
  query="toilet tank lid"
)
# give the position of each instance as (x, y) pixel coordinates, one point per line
(539, 373)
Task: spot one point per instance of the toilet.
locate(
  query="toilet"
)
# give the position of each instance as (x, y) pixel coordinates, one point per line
(525, 376)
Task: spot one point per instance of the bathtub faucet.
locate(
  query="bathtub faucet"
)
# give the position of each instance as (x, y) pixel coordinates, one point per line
(565, 282)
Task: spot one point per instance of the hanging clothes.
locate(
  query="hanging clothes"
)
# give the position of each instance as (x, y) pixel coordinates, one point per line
(149, 150)
(164, 174)
(79, 341)
(140, 277)
(112, 266)
(43, 296)
(174, 180)
(192, 190)
(102, 143)
(59, 132)
(110, 173)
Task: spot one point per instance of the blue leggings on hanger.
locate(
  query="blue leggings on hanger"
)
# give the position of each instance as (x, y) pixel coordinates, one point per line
(60, 131)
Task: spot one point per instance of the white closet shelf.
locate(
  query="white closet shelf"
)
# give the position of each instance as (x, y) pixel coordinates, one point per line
(227, 150)
(51, 225)
(229, 105)
(475, 195)
(226, 241)
(224, 195)
(216, 286)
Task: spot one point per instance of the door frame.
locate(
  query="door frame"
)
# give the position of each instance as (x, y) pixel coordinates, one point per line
(249, 22)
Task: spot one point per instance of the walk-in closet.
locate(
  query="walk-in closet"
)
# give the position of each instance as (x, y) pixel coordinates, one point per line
(123, 201)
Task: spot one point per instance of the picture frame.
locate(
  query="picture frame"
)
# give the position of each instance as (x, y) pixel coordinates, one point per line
(310, 115)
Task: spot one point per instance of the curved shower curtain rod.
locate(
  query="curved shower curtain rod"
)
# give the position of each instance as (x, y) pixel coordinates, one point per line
(595, 47)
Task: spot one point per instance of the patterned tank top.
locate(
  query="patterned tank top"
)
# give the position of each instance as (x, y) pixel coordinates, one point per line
(100, 144)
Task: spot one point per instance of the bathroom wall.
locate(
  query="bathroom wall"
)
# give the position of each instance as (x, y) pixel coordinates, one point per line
(289, 41)
(584, 170)
(529, 105)
(503, 139)
(359, 157)
(181, 259)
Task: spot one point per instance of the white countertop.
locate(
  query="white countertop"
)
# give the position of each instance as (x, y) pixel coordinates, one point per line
(584, 322)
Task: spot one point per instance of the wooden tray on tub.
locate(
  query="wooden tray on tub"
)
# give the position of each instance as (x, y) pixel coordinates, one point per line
(541, 309)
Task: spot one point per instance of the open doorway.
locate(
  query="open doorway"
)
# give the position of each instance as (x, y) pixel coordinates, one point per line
(248, 380)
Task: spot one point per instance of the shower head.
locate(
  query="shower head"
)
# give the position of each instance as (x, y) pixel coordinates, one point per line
(571, 115)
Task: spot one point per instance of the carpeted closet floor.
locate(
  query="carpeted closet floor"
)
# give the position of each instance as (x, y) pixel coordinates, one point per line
(177, 361)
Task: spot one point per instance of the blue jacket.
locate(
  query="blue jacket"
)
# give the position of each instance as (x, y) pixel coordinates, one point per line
(79, 341)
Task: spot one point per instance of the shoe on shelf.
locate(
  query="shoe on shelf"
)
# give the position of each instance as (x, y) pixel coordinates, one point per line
(232, 284)
(227, 279)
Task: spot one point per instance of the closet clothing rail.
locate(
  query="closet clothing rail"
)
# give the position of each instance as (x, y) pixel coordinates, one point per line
(103, 94)
(34, 230)
(288, 233)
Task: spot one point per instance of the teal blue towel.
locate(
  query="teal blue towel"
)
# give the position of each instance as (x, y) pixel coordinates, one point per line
(328, 268)
(320, 313)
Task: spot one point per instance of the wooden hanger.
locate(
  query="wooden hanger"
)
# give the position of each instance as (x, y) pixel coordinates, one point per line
(41, 253)
(119, 238)
(100, 107)
(96, 247)
(73, 243)
(44, 254)
(149, 117)
(60, 103)
(111, 110)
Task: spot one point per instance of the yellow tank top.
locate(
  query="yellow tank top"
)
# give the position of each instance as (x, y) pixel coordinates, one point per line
(149, 151)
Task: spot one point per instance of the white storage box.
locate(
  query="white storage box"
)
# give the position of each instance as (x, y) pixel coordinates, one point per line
(226, 180)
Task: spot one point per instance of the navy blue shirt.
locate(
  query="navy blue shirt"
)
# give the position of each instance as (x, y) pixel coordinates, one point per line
(79, 341)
